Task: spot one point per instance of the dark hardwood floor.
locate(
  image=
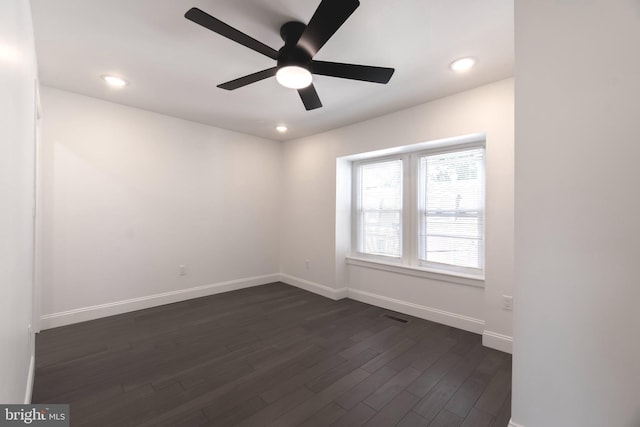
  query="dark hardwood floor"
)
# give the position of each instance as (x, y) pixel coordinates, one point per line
(272, 355)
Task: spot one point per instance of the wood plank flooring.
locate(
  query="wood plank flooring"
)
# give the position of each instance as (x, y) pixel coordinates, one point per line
(272, 355)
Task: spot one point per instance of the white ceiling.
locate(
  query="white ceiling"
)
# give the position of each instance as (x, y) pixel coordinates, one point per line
(174, 65)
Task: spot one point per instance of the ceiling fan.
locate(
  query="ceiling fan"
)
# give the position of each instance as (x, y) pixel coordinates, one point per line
(295, 63)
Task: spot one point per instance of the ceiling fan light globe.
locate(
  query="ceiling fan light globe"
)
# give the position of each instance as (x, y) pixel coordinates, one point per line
(294, 77)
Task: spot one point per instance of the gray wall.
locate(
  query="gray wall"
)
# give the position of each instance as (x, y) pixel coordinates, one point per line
(576, 322)
(17, 192)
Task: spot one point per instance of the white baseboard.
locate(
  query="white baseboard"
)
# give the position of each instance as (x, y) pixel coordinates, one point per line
(512, 424)
(316, 288)
(497, 341)
(30, 376)
(489, 339)
(103, 310)
(433, 314)
(440, 316)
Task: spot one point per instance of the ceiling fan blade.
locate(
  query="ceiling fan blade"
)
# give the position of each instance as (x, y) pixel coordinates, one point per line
(365, 73)
(326, 20)
(310, 98)
(202, 18)
(246, 80)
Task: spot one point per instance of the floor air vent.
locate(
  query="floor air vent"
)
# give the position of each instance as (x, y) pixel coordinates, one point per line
(396, 318)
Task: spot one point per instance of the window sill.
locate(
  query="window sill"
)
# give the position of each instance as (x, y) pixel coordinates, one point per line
(448, 276)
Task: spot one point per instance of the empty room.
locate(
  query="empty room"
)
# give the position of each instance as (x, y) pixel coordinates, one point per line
(319, 213)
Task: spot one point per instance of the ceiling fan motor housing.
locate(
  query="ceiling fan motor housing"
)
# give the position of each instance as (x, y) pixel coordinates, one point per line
(292, 54)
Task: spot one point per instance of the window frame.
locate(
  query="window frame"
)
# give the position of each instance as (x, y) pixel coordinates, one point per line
(410, 217)
(356, 208)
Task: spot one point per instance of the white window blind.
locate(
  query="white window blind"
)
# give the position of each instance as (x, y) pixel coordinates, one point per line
(451, 209)
(380, 208)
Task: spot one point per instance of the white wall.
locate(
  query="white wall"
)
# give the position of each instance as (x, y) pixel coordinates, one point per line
(131, 195)
(17, 167)
(309, 221)
(576, 325)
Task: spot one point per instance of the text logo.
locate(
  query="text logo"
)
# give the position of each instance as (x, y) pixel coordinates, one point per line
(34, 415)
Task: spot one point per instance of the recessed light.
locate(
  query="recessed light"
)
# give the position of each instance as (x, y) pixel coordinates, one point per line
(281, 128)
(114, 81)
(462, 64)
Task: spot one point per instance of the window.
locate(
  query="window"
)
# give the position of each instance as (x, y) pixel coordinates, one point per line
(450, 209)
(422, 209)
(379, 207)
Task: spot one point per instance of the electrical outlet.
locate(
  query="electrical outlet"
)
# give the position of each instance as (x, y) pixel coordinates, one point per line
(306, 263)
(507, 302)
(182, 270)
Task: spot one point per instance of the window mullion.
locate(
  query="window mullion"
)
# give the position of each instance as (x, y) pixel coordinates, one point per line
(355, 211)
(411, 202)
